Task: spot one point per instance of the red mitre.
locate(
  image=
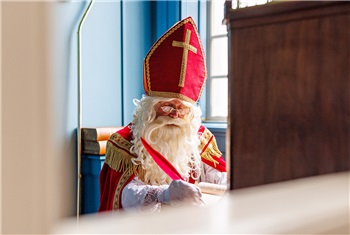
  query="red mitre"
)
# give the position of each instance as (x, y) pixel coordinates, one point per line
(175, 65)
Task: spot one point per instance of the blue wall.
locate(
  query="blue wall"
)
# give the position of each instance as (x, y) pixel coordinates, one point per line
(167, 13)
(116, 37)
(102, 65)
(136, 41)
(40, 45)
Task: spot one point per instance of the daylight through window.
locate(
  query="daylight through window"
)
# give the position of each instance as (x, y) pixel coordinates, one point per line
(217, 95)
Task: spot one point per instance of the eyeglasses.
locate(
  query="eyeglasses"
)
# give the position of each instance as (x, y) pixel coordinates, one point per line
(169, 109)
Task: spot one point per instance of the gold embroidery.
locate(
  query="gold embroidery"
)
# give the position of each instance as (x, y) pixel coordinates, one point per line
(169, 32)
(126, 175)
(155, 47)
(119, 158)
(170, 95)
(211, 148)
(186, 47)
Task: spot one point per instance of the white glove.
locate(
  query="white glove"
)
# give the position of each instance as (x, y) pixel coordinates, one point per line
(179, 192)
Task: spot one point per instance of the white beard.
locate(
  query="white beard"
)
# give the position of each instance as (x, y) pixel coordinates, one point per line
(177, 140)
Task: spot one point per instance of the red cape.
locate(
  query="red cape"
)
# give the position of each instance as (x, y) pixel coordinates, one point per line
(118, 170)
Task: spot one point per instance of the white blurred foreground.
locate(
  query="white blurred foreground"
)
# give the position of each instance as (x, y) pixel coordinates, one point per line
(310, 205)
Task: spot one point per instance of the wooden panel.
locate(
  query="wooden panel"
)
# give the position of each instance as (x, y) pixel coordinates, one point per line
(289, 93)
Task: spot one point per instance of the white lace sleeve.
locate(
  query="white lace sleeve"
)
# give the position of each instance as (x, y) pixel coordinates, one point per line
(211, 175)
(138, 196)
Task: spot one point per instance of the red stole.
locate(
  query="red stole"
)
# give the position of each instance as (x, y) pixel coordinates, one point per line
(118, 170)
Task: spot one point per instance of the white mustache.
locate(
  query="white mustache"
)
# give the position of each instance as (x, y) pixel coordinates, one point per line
(165, 120)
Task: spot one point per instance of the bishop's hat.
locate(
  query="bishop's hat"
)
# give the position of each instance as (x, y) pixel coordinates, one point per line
(175, 65)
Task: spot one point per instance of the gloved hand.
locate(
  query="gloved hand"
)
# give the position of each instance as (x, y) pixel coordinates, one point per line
(179, 192)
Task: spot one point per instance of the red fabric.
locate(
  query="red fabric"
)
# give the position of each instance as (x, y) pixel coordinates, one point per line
(179, 48)
(125, 132)
(109, 178)
(108, 185)
(201, 130)
(221, 166)
(162, 162)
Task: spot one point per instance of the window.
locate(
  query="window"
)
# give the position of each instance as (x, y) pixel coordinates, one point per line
(217, 48)
(216, 107)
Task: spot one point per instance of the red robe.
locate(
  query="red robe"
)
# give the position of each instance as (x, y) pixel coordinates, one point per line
(118, 169)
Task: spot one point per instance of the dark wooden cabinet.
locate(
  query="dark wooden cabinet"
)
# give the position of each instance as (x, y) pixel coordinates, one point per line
(289, 91)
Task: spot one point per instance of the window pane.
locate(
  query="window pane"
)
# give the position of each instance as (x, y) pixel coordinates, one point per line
(219, 56)
(217, 15)
(219, 97)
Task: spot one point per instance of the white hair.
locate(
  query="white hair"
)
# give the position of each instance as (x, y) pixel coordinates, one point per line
(178, 142)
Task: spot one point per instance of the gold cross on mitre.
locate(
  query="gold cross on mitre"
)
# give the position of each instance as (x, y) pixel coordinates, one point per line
(187, 46)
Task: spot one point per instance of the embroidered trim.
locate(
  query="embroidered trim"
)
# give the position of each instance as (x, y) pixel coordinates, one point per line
(155, 47)
(186, 47)
(126, 175)
(120, 141)
(147, 74)
(118, 157)
(170, 95)
(208, 147)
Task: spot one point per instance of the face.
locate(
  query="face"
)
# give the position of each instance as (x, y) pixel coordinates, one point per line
(174, 108)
